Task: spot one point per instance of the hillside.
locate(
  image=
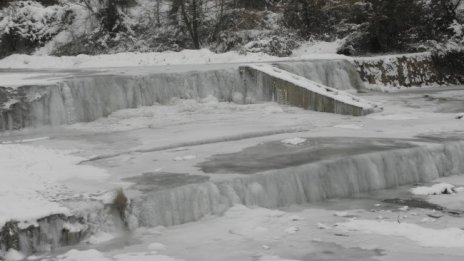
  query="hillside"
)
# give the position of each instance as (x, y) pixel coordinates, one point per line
(274, 27)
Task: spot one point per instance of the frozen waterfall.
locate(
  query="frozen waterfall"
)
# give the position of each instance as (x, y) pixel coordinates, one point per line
(300, 184)
(87, 98)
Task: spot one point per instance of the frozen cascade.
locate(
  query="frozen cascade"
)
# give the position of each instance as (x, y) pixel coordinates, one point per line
(296, 185)
(84, 99)
(89, 98)
(339, 74)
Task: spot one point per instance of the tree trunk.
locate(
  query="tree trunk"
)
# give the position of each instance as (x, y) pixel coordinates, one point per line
(192, 23)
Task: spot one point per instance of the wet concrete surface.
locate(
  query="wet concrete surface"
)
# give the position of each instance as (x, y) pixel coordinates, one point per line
(276, 155)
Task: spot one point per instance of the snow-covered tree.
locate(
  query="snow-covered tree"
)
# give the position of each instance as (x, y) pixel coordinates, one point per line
(25, 25)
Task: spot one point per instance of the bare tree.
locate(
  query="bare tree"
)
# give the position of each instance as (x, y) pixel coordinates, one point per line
(191, 16)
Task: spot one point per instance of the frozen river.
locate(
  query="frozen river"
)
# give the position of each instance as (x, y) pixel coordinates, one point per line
(217, 179)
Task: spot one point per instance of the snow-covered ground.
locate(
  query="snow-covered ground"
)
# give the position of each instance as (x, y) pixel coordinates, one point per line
(36, 179)
(319, 50)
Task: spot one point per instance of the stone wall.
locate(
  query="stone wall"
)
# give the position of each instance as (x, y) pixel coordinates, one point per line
(412, 70)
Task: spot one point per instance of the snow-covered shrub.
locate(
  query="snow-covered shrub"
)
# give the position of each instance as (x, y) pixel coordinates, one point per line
(5, 3)
(113, 17)
(111, 31)
(275, 45)
(110, 13)
(25, 25)
(252, 28)
(355, 44)
(402, 25)
(449, 55)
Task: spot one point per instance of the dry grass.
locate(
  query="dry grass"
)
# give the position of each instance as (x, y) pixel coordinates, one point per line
(120, 203)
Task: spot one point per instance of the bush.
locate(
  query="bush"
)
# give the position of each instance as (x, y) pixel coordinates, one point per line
(48, 2)
(120, 204)
(400, 25)
(27, 25)
(275, 45)
(254, 4)
(356, 43)
(5, 3)
(394, 25)
(449, 55)
(450, 65)
(309, 17)
(112, 16)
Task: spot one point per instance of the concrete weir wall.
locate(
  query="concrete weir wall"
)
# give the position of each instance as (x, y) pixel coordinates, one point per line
(272, 84)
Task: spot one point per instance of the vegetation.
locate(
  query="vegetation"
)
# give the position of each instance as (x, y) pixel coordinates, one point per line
(120, 203)
(271, 26)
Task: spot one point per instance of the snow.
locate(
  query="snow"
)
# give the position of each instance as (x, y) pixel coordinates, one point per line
(100, 237)
(86, 255)
(323, 226)
(294, 141)
(95, 255)
(273, 258)
(184, 158)
(32, 21)
(317, 47)
(25, 140)
(22, 79)
(178, 111)
(348, 126)
(156, 246)
(437, 189)
(143, 256)
(34, 178)
(292, 230)
(393, 117)
(296, 218)
(83, 22)
(74, 228)
(342, 214)
(427, 237)
(13, 255)
(203, 56)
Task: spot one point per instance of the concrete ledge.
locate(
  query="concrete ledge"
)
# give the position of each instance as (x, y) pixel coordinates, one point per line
(272, 84)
